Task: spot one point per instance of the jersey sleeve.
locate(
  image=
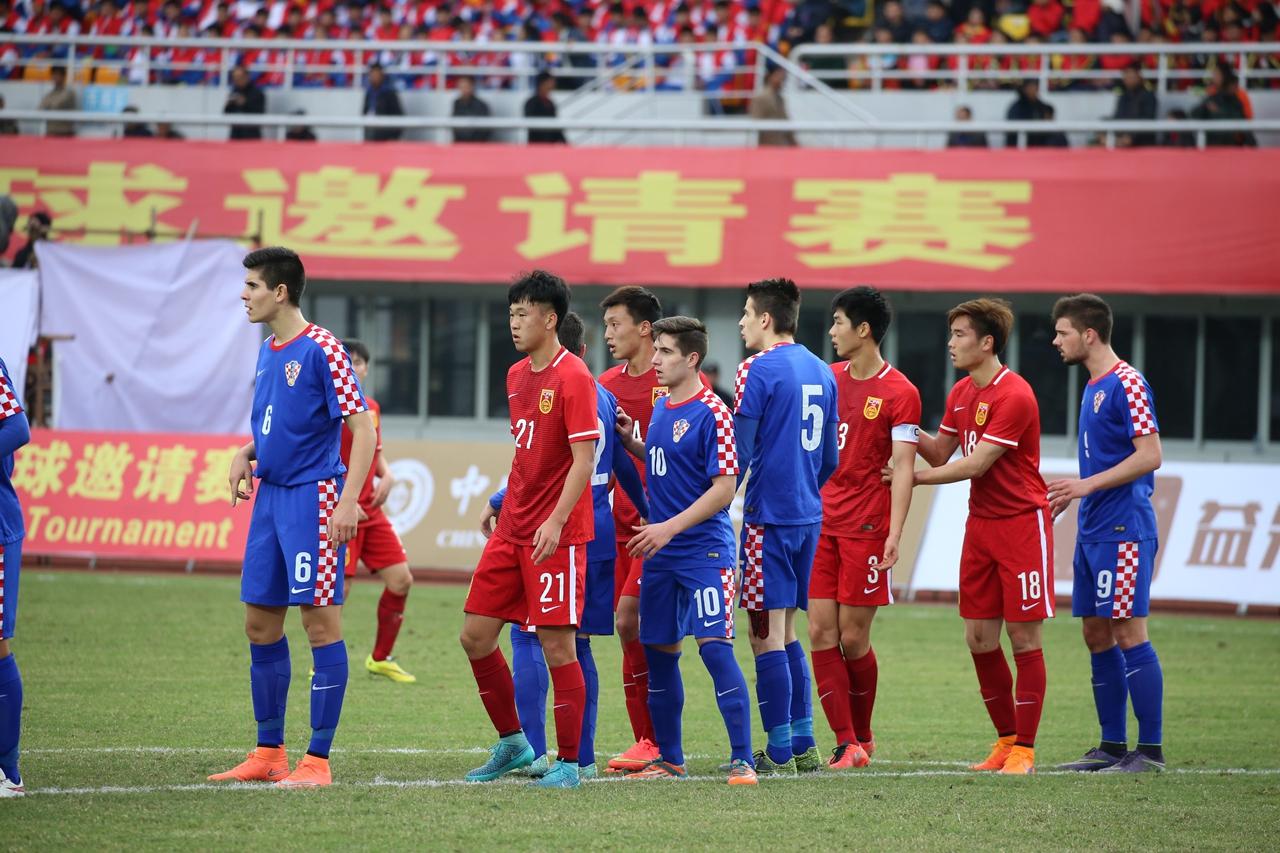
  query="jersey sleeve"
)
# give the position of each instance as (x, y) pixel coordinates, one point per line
(906, 415)
(1139, 406)
(9, 403)
(340, 386)
(580, 410)
(722, 449)
(1010, 417)
(749, 390)
(948, 424)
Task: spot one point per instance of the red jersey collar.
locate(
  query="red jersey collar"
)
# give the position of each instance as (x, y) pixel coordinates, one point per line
(276, 346)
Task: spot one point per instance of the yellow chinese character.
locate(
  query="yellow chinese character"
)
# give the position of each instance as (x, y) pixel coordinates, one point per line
(100, 471)
(352, 214)
(38, 470)
(163, 473)
(109, 198)
(652, 212)
(211, 484)
(909, 217)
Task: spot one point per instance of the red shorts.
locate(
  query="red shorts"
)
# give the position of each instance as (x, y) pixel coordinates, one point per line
(845, 570)
(377, 544)
(626, 574)
(508, 586)
(1006, 568)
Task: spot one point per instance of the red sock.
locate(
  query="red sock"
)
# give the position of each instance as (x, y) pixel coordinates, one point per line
(864, 674)
(995, 683)
(833, 692)
(1029, 695)
(570, 702)
(497, 692)
(635, 684)
(390, 615)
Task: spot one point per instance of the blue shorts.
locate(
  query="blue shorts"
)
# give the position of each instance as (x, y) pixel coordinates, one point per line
(597, 609)
(680, 602)
(776, 560)
(10, 563)
(287, 558)
(1113, 579)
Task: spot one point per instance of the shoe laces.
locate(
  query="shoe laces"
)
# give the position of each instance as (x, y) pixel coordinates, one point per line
(839, 751)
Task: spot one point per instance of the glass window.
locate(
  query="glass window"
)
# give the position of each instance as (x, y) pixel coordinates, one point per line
(1231, 377)
(1122, 337)
(922, 356)
(1040, 364)
(395, 343)
(812, 328)
(451, 390)
(335, 313)
(502, 354)
(1169, 364)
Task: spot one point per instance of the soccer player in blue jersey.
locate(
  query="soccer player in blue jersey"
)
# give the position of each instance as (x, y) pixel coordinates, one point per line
(14, 433)
(688, 549)
(1117, 537)
(786, 421)
(304, 392)
(529, 667)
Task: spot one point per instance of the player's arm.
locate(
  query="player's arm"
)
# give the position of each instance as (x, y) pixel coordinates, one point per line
(1146, 457)
(625, 426)
(624, 471)
(385, 481)
(830, 451)
(547, 537)
(364, 440)
(744, 430)
(241, 475)
(15, 431)
(936, 450)
(904, 465)
(968, 467)
(490, 512)
(652, 538)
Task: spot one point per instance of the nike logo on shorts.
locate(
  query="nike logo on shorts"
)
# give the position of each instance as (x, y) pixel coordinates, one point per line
(552, 607)
(303, 589)
(1105, 603)
(709, 624)
(869, 591)
(1033, 604)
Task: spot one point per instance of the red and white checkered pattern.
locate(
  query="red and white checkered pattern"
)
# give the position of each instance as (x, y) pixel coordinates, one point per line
(9, 404)
(726, 444)
(1, 585)
(728, 583)
(1135, 391)
(740, 378)
(327, 554)
(1126, 579)
(344, 381)
(753, 568)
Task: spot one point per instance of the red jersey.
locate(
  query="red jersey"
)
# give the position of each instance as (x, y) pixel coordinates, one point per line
(1005, 413)
(366, 493)
(637, 395)
(550, 409)
(874, 413)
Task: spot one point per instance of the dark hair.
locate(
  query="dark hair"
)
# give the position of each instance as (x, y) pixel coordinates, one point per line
(377, 66)
(279, 266)
(543, 77)
(640, 303)
(571, 333)
(689, 334)
(865, 305)
(541, 288)
(1085, 311)
(780, 299)
(357, 349)
(989, 316)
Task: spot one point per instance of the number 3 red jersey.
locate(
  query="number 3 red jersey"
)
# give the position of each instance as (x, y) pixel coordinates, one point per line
(1005, 413)
(550, 410)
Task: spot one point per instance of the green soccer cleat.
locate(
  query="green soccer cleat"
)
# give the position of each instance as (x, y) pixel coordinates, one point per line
(809, 761)
(765, 766)
(563, 774)
(505, 756)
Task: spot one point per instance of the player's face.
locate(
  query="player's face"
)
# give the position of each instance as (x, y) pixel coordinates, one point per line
(260, 301)
(530, 325)
(1069, 342)
(360, 366)
(845, 338)
(672, 367)
(965, 346)
(751, 326)
(621, 333)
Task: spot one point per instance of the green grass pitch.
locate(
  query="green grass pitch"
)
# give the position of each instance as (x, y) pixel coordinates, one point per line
(137, 687)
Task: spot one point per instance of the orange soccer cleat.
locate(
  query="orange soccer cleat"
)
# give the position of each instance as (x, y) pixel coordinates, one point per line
(311, 772)
(847, 756)
(264, 764)
(999, 755)
(1021, 761)
(636, 758)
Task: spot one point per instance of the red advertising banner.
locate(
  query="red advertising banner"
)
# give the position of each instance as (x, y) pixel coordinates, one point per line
(130, 495)
(1151, 220)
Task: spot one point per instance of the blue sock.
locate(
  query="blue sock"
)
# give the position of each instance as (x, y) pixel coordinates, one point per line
(1111, 694)
(666, 702)
(10, 717)
(327, 689)
(801, 700)
(731, 696)
(1146, 690)
(529, 669)
(269, 674)
(587, 743)
(773, 692)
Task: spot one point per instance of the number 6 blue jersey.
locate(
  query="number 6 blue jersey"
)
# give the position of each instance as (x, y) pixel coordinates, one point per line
(791, 393)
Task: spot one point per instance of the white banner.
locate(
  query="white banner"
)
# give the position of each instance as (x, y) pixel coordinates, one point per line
(1219, 533)
(19, 304)
(160, 342)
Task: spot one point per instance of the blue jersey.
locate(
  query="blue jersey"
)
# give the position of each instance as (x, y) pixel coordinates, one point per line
(1116, 409)
(304, 388)
(791, 394)
(688, 445)
(14, 432)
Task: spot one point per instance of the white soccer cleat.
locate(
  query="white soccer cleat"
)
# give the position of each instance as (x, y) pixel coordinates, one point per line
(10, 788)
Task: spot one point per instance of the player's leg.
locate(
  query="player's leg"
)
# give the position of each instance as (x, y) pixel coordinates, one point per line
(824, 641)
(555, 591)
(529, 671)
(982, 608)
(628, 572)
(715, 587)
(768, 624)
(801, 546)
(664, 617)
(355, 548)
(1028, 694)
(323, 624)
(10, 677)
(1143, 673)
(864, 676)
(597, 620)
(385, 556)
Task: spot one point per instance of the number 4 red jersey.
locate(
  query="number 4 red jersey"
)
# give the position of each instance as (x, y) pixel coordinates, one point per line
(550, 409)
(1005, 413)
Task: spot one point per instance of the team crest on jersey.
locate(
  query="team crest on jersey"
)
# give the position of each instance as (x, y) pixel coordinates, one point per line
(1097, 400)
(871, 408)
(678, 429)
(546, 400)
(659, 391)
(980, 416)
(291, 371)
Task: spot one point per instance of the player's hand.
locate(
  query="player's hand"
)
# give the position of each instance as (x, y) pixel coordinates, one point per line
(382, 490)
(342, 524)
(361, 515)
(890, 558)
(546, 539)
(487, 517)
(649, 539)
(1062, 492)
(886, 475)
(624, 424)
(241, 478)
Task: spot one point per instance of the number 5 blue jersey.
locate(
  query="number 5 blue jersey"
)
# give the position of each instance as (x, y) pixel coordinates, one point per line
(303, 390)
(791, 394)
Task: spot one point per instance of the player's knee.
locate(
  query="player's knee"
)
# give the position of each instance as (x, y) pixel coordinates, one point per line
(261, 633)
(981, 640)
(1024, 638)
(823, 636)
(1129, 632)
(1097, 635)
(628, 625)
(401, 581)
(855, 642)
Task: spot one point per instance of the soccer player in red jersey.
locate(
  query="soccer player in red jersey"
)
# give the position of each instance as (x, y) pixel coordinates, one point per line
(861, 520)
(1006, 564)
(533, 570)
(376, 542)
